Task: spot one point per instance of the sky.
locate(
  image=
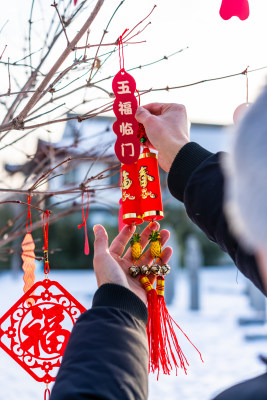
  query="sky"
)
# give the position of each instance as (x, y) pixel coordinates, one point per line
(215, 48)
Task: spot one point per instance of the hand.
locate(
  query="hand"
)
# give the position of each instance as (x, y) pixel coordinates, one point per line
(167, 129)
(110, 267)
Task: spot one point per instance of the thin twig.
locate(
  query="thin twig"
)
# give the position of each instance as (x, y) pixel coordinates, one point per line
(9, 80)
(25, 204)
(63, 26)
(3, 52)
(30, 33)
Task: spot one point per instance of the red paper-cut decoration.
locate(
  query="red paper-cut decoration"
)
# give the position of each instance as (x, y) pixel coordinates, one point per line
(234, 8)
(148, 176)
(36, 336)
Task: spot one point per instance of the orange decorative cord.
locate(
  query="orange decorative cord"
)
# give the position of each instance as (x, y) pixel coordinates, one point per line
(28, 255)
(160, 286)
(146, 283)
(28, 258)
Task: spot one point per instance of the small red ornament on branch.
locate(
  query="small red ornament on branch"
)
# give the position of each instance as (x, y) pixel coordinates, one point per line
(234, 8)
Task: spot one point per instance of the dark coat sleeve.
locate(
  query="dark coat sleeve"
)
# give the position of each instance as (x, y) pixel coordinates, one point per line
(107, 356)
(196, 179)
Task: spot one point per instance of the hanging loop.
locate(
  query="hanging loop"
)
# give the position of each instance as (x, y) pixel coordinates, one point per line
(121, 55)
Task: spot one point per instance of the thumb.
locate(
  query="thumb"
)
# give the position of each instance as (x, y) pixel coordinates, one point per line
(142, 115)
(101, 239)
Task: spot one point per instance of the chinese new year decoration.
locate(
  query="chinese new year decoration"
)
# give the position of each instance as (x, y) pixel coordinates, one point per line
(141, 201)
(36, 329)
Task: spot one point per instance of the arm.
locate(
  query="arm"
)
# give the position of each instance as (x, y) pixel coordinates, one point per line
(106, 357)
(195, 178)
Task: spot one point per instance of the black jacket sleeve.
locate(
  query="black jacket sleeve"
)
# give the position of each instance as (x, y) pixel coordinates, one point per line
(107, 356)
(196, 179)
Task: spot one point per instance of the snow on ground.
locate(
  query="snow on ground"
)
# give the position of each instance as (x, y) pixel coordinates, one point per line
(214, 330)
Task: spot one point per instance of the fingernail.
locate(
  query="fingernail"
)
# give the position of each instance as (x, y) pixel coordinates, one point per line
(96, 228)
(139, 110)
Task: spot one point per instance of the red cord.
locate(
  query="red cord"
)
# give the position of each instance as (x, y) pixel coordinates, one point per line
(45, 248)
(47, 392)
(29, 216)
(121, 55)
(86, 244)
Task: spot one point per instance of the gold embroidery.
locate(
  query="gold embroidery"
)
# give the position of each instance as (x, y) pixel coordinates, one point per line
(127, 196)
(144, 178)
(126, 181)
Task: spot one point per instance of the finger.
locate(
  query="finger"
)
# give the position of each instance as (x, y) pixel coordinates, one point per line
(117, 247)
(144, 238)
(147, 258)
(154, 108)
(165, 256)
(101, 240)
(145, 117)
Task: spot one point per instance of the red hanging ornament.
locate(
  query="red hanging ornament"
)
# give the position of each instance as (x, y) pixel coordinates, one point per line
(86, 243)
(234, 8)
(36, 329)
(127, 146)
(141, 200)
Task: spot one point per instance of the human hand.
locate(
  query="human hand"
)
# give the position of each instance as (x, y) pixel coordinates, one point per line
(167, 129)
(111, 267)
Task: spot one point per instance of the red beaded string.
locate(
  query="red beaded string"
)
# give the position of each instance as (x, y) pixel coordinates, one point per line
(29, 216)
(86, 243)
(45, 248)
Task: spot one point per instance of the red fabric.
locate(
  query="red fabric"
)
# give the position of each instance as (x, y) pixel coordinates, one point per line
(131, 199)
(234, 8)
(148, 175)
(127, 146)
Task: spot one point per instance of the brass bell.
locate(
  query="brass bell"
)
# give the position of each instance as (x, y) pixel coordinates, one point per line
(155, 269)
(165, 269)
(134, 271)
(145, 270)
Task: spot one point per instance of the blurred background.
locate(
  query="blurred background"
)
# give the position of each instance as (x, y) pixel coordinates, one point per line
(66, 145)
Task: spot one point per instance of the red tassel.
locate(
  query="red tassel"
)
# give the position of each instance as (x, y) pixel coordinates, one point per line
(153, 326)
(169, 345)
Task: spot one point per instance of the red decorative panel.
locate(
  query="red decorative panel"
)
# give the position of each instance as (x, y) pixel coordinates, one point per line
(127, 146)
(35, 331)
